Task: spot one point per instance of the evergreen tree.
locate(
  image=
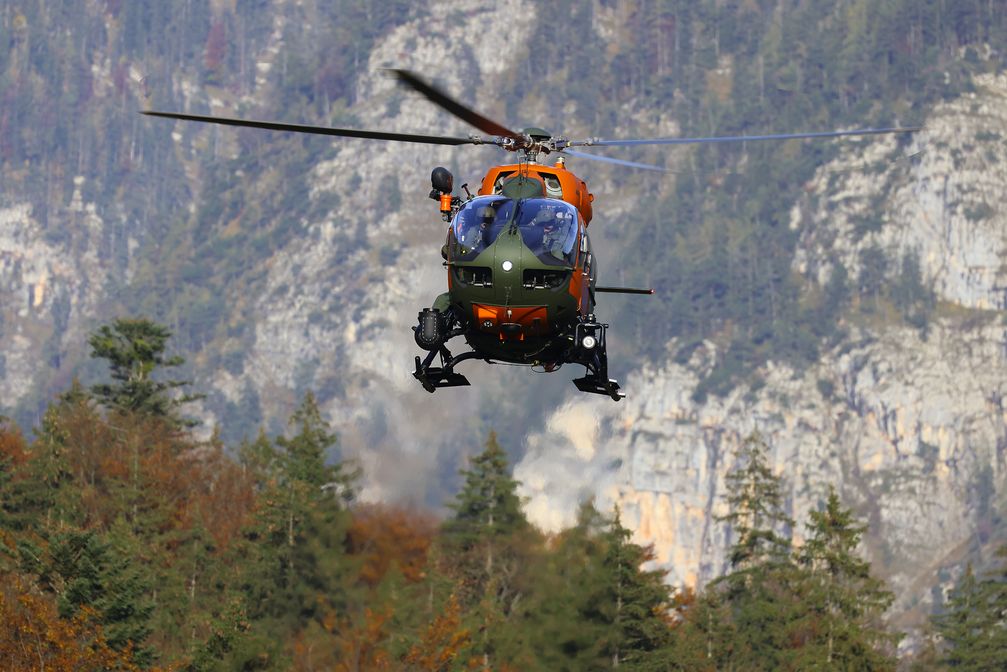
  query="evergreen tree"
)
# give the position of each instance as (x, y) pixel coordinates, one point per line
(44, 495)
(756, 518)
(975, 637)
(565, 626)
(633, 601)
(759, 604)
(843, 603)
(491, 539)
(295, 568)
(135, 349)
(86, 569)
(488, 507)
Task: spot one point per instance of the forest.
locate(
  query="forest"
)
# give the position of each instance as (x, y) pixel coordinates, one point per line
(129, 545)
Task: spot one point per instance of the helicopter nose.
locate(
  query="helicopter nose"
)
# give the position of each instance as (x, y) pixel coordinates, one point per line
(507, 260)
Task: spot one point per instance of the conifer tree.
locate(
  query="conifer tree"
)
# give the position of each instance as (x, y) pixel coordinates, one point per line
(841, 597)
(488, 507)
(633, 601)
(45, 494)
(757, 517)
(296, 569)
(135, 349)
(975, 637)
(565, 625)
(86, 569)
(490, 537)
(757, 596)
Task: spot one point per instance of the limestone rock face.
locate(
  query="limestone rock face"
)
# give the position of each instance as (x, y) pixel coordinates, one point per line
(48, 286)
(941, 196)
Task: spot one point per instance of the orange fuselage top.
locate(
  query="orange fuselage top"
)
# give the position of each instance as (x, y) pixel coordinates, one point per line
(557, 182)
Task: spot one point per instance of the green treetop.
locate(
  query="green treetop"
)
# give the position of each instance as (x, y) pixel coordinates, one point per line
(975, 637)
(757, 514)
(757, 601)
(492, 540)
(85, 568)
(488, 506)
(841, 597)
(135, 349)
(632, 601)
(296, 566)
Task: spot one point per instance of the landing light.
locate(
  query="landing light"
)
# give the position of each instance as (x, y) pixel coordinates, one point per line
(506, 265)
(589, 342)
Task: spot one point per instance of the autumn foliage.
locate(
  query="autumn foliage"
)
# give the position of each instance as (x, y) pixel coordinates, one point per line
(34, 637)
(444, 643)
(386, 536)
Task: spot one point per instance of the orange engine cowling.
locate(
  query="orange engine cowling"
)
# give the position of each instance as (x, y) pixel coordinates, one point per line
(557, 182)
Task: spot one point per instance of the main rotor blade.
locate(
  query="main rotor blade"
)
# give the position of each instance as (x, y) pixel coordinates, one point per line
(618, 162)
(623, 290)
(598, 142)
(443, 100)
(320, 130)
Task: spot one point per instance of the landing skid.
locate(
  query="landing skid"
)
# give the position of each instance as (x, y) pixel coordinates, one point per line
(596, 385)
(433, 377)
(588, 349)
(595, 360)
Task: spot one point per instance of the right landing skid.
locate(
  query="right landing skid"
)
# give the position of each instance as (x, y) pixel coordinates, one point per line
(595, 360)
(433, 377)
(599, 385)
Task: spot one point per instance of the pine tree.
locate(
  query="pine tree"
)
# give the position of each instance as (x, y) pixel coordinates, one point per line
(634, 601)
(135, 349)
(758, 597)
(490, 539)
(756, 518)
(565, 626)
(843, 602)
(44, 494)
(975, 637)
(295, 568)
(488, 507)
(88, 570)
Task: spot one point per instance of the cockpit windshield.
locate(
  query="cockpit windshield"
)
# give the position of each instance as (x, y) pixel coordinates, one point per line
(479, 222)
(548, 227)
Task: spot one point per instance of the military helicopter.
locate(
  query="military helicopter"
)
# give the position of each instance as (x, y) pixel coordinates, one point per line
(521, 274)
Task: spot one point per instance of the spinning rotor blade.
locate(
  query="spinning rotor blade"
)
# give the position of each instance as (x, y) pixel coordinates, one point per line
(618, 162)
(598, 142)
(443, 100)
(321, 130)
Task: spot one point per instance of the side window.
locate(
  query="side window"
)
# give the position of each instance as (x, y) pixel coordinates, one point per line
(553, 189)
(585, 249)
(501, 178)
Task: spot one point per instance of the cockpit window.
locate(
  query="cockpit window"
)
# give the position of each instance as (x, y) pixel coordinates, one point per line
(479, 222)
(548, 227)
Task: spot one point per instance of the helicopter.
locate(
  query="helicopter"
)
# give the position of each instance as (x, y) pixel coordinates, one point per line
(521, 273)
